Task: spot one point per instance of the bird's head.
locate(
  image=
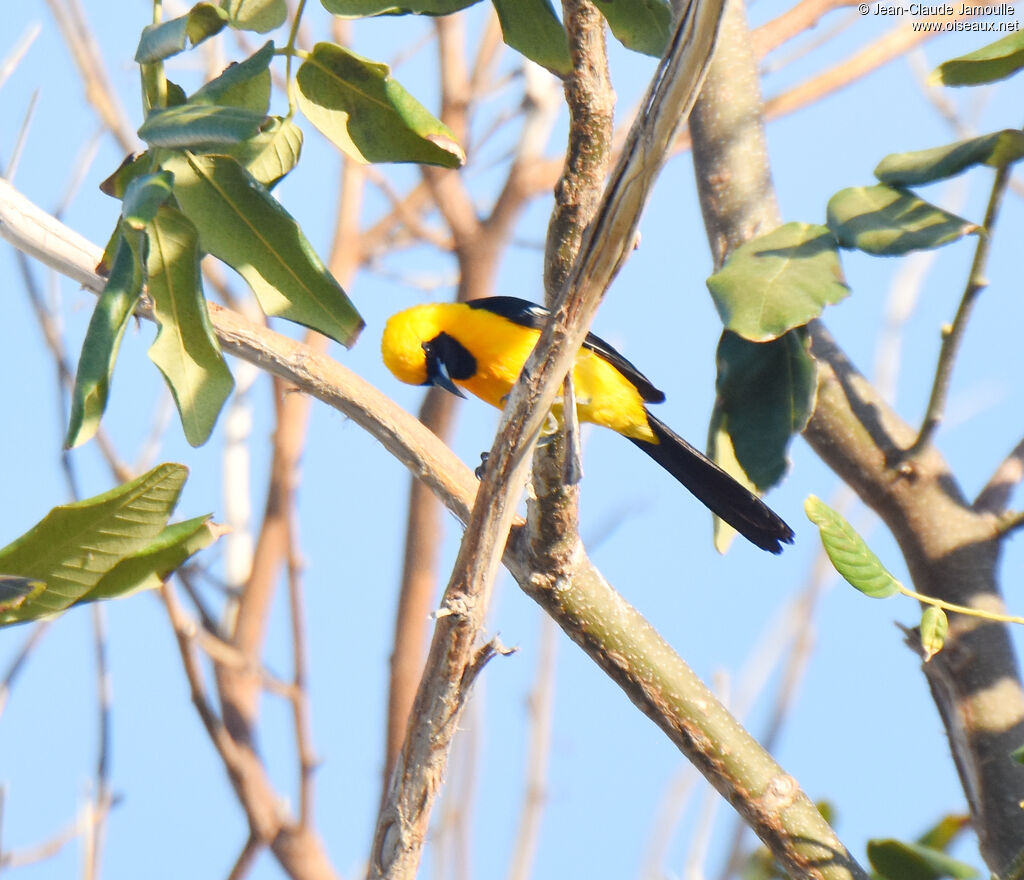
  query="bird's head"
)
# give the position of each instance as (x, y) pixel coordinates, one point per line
(418, 351)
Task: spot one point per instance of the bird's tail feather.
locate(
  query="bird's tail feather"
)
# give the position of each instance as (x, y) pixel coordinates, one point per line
(716, 490)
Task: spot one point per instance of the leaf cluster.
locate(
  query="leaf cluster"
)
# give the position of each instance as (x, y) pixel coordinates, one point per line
(104, 547)
(772, 286)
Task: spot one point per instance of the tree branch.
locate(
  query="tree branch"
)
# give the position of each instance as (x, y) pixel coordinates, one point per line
(652, 675)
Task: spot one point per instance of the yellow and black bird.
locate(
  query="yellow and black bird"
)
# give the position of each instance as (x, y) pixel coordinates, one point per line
(482, 345)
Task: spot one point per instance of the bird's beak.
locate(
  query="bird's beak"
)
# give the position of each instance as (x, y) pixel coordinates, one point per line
(440, 376)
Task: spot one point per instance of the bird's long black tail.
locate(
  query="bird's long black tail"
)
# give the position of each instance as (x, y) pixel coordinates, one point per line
(716, 490)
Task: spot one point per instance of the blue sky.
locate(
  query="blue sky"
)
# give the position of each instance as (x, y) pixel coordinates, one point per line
(863, 720)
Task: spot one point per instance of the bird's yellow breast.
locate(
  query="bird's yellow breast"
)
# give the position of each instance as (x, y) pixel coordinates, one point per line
(500, 348)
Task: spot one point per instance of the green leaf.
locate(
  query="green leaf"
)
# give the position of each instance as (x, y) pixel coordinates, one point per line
(368, 115)
(255, 15)
(272, 153)
(850, 556)
(942, 834)
(884, 220)
(143, 197)
(244, 84)
(16, 591)
(199, 127)
(765, 395)
(185, 349)
(993, 62)
(778, 281)
(896, 860)
(532, 28)
(102, 340)
(151, 566)
(934, 627)
(242, 224)
(363, 8)
(76, 544)
(923, 166)
(134, 165)
(160, 41)
(1018, 754)
(641, 25)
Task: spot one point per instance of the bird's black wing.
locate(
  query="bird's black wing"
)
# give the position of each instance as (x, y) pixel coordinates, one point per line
(528, 314)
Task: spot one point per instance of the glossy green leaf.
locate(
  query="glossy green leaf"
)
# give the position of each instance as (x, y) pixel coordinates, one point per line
(159, 41)
(151, 566)
(244, 84)
(185, 349)
(363, 8)
(778, 281)
(242, 224)
(255, 15)
(143, 197)
(102, 340)
(924, 166)
(765, 395)
(199, 127)
(1018, 754)
(885, 221)
(367, 114)
(16, 591)
(76, 544)
(934, 627)
(272, 153)
(850, 556)
(532, 28)
(993, 62)
(896, 860)
(641, 25)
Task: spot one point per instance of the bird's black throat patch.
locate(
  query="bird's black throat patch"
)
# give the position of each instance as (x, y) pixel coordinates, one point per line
(447, 351)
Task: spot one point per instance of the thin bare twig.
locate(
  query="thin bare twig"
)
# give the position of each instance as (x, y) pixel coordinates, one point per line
(18, 663)
(953, 335)
(300, 677)
(18, 51)
(298, 849)
(540, 707)
(99, 92)
(102, 797)
(246, 858)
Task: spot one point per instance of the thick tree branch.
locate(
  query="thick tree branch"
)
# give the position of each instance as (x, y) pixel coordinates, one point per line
(951, 550)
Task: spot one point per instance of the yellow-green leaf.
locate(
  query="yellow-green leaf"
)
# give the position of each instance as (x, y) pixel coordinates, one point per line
(850, 556)
(367, 114)
(102, 340)
(185, 349)
(255, 15)
(923, 166)
(887, 221)
(934, 627)
(778, 281)
(993, 62)
(532, 28)
(75, 545)
(241, 223)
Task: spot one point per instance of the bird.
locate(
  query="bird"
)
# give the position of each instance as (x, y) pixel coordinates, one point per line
(481, 345)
